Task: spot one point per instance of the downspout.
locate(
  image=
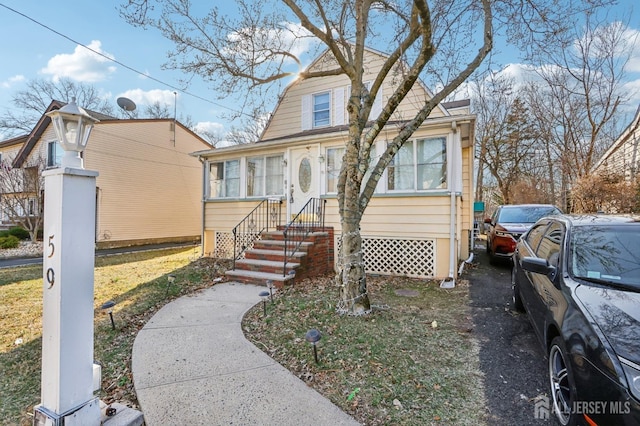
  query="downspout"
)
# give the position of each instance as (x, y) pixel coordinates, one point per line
(204, 183)
(450, 282)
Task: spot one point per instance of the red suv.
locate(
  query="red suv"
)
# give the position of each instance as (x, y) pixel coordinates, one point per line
(508, 223)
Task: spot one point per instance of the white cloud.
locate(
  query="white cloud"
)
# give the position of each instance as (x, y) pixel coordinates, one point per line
(82, 65)
(633, 39)
(150, 97)
(208, 126)
(9, 83)
(633, 89)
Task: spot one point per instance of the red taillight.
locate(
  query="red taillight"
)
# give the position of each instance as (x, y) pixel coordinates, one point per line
(589, 421)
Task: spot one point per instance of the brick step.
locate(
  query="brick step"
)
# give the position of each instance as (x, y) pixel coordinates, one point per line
(269, 266)
(273, 255)
(258, 278)
(279, 245)
(279, 235)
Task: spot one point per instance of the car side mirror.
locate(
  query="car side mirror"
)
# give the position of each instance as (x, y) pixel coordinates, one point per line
(538, 266)
(487, 220)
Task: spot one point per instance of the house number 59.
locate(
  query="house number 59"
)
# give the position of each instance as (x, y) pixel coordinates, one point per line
(51, 274)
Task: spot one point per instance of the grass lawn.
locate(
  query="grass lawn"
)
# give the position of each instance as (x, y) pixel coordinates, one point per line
(136, 282)
(412, 361)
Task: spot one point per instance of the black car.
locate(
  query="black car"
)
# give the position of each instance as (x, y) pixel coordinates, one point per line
(578, 278)
(508, 223)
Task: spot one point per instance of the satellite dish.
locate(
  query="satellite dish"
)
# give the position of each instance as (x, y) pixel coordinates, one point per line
(126, 104)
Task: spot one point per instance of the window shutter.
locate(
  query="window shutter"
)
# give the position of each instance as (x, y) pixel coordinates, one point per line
(306, 112)
(376, 108)
(338, 106)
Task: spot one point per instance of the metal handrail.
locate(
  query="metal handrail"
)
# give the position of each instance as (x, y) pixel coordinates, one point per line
(262, 218)
(308, 219)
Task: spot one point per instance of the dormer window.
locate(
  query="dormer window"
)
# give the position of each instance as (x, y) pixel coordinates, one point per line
(321, 110)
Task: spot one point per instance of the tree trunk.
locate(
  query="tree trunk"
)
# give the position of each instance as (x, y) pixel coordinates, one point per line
(351, 277)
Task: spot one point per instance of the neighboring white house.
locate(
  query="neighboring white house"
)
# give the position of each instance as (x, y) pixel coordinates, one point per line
(623, 157)
(420, 220)
(149, 187)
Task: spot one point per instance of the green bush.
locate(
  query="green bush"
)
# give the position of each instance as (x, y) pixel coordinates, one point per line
(9, 242)
(4, 234)
(19, 233)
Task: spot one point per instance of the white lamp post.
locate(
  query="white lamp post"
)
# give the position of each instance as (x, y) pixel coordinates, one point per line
(67, 395)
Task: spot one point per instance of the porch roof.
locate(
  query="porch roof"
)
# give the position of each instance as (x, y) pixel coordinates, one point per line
(322, 134)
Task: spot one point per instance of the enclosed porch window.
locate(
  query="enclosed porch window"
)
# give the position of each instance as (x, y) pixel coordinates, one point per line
(265, 176)
(224, 179)
(419, 165)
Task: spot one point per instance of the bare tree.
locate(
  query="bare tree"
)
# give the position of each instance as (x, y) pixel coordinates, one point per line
(21, 194)
(580, 95)
(441, 42)
(158, 110)
(30, 103)
(252, 129)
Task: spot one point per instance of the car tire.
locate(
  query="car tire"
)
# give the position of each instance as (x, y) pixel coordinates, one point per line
(563, 389)
(517, 300)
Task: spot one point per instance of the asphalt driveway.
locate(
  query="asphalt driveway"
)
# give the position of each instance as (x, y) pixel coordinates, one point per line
(513, 363)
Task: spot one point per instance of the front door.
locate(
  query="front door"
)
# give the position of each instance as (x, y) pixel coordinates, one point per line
(305, 178)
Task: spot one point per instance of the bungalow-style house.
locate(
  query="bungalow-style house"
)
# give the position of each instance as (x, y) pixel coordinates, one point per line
(148, 188)
(622, 157)
(419, 223)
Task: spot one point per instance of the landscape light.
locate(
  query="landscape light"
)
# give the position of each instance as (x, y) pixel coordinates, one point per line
(264, 295)
(270, 287)
(313, 336)
(108, 308)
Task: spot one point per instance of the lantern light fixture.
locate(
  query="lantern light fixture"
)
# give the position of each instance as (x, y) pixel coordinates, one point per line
(73, 126)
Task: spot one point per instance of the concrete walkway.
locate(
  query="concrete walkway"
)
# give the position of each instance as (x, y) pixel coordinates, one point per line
(193, 366)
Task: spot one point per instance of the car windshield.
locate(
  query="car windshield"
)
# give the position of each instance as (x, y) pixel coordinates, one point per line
(528, 214)
(606, 254)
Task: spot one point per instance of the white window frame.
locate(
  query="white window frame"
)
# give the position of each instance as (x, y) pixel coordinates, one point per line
(416, 167)
(279, 158)
(222, 183)
(58, 153)
(329, 172)
(327, 110)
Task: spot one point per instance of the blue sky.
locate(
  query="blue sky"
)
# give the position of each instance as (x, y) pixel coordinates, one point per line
(30, 51)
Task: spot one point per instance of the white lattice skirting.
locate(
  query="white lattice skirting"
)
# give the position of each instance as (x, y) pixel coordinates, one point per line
(224, 244)
(402, 257)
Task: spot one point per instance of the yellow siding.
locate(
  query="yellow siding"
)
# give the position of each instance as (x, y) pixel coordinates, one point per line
(223, 216)
(10, 152)
(148, 187)
(424, 217)
(287, 119)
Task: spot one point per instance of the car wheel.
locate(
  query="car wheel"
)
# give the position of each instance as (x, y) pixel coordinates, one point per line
(517, 300)
(562, 385)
